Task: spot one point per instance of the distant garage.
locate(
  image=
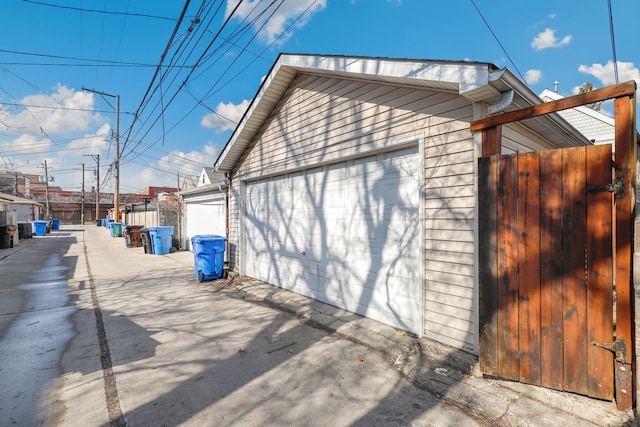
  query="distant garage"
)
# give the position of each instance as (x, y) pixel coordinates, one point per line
(206, 216)
(204, 208)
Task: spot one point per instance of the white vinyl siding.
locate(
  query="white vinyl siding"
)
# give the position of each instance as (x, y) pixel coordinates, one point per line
(518, 139)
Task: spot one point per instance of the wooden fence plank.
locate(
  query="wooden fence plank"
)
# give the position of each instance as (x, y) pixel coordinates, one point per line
(488, 263)
(600, 272)
(551, 360)
(529, 267)
(574, 278)
(508, 357)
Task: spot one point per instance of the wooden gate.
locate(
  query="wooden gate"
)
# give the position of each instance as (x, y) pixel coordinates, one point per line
(548, 219)
(555, 257)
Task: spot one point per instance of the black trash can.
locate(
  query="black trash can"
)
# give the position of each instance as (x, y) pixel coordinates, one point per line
(25, 230)
(7, 232)
(146, 240)
(4, 236)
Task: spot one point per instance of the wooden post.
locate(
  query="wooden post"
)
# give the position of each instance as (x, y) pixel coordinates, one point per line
(625, 166)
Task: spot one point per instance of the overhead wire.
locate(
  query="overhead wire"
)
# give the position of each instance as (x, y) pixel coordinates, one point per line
(176, 54)
(168, 85)
(179, 51)
(497, 40)
(159, 66)
(613, 44)
(99, 62)
(200, 60)
(80, 9)
(256, 57)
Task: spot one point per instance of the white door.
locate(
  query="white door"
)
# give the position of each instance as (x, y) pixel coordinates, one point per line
(348, 234)
(206, 217)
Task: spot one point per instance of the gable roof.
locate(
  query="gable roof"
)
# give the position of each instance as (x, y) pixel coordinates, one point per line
(596, 126)
(17, 200)
(476, 81)
(208, 182)
(190, 181)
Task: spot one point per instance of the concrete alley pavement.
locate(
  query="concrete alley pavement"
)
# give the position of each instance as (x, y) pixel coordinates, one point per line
(94, 333)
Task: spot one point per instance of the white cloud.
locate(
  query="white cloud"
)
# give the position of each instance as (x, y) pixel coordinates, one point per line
(288, 12)
(547, 39)
(26, 144)
(606, 73)
(532, 76)
(90, 143)
(162, 172)
(61, 112)
(226, 116)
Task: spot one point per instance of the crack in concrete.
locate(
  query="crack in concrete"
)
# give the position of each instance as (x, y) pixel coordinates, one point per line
(116, 418)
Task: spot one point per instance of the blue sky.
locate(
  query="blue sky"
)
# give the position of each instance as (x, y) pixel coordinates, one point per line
(213, 63)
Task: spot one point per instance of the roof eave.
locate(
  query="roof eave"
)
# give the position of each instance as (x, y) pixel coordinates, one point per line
(443, 75)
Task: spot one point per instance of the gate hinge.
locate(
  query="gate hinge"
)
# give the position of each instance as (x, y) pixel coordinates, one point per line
(618, 347)
(616, 187)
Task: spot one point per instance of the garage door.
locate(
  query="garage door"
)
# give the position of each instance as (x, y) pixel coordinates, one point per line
(348, 234)
(206, 217)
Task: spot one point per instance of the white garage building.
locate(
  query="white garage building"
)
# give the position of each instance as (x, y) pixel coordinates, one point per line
(353, 181)
(204, 207)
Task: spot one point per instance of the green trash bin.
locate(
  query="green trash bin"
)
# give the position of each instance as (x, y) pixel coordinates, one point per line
(116, 229)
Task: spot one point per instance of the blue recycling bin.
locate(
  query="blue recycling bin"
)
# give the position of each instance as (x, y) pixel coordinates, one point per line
(208, 256)
(55, 224)
(115, 229)
(161, 238)
(40, 228)
(107, 224)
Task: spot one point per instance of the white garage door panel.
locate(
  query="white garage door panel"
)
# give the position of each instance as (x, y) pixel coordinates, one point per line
(348, 234)
(206, 218)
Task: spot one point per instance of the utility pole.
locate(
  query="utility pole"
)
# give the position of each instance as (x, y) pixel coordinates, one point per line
(46, 190)
(82, 209)
(96, 157)
(116, 179)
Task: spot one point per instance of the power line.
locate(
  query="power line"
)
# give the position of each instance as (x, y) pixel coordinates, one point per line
(177, 54)
(613, 43)
(139, 15)
(200, 60)
(97, 61)
(497, 40)
(256, 57)
(58, 107)
(159, 66)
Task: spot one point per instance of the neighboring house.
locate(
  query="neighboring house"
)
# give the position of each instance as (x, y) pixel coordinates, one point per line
(204, 208)
(26, 210)
(353, 180)
(596, 126)
(16, 210)
(190, 181)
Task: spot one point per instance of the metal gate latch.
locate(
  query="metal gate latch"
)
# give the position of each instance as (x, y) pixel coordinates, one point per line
(618, 347)
(616, 187)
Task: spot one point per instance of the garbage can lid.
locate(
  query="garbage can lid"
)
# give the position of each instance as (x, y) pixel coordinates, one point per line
(207, 238)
